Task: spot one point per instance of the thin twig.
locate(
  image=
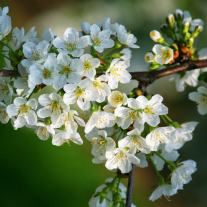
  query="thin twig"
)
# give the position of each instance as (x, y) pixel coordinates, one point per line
(130, 187)
(9, 73)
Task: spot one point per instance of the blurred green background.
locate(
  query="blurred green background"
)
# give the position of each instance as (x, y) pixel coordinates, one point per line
(36, 173)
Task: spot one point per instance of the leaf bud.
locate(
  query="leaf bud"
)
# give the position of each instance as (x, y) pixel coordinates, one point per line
(171, 21)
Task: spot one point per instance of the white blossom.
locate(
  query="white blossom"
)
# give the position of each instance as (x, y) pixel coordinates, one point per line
(44, 73)
(100, 39)
(149, 57)
(35, 53)
(155, 35)
(24, 110)
(185, 78)
(5, 26)
(182, 174)
(82, 92)
(159, 136)
(117, 73)
(163, 54)
(71, 43)
(117, 99)
(4, 118)
(6, 90)
(200, 98)
(152, 109)
(120, 158)
(67, 69)
(99, 119)
(165, 190)
(90, 65)
(53, 106)
(126, 54)
(135, 142)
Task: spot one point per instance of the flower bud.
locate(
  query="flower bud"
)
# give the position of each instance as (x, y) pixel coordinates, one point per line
(156, 36)
(132, 94)
(175, 46)
(190, 42)
(117, 198)
(117, 44)
(165, 29)
(185, 27)
(48, 120)
(187, 36)
(149, 57)
(178, 14)
(116, 55)
(197, 31)
(101, 61)
(176, 54)
(190, 52)
(138, 92)
(171, 21)
(154, 66)
(184, 49)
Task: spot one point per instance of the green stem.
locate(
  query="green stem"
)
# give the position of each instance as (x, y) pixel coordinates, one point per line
(119, 137)
(5, 56)
(29, 96)
(168, 118)
(163, 118)
(115, 133)
(107, 52)
(166, 44)
(146, 129)
(15, 54)
(158, 154)
(106, 57)
(118, 185)
(157, 172)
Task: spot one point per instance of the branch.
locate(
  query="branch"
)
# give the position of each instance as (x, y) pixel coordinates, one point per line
(151, 76)
(130, 187)
(9, 73)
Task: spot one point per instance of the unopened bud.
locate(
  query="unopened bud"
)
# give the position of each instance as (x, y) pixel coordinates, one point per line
(117, 198)
(149, 96)
(149, 57)
(138, 92)
(185, 27)
(176, 54)
(93, 109)
(190, 42)
(154, 66)
(197, 31)
(175, 46)
(178, 14)
(190, 52)
(184, 49)
(116, 55)
(171, 21)
(165, 29)
(101, 61)
(186, 36)
(156, 36)
(117, 44)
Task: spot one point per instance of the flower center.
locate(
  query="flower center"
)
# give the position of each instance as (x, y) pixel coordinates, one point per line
(55, 105)
(79, 92)
(87, 66)
(46, 73)
(24, 109)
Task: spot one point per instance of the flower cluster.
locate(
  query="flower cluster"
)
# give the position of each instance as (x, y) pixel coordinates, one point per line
(124, 130)
(182, 30)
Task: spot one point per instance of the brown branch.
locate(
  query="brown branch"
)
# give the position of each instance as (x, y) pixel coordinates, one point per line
(9, 73)
(151, 76)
